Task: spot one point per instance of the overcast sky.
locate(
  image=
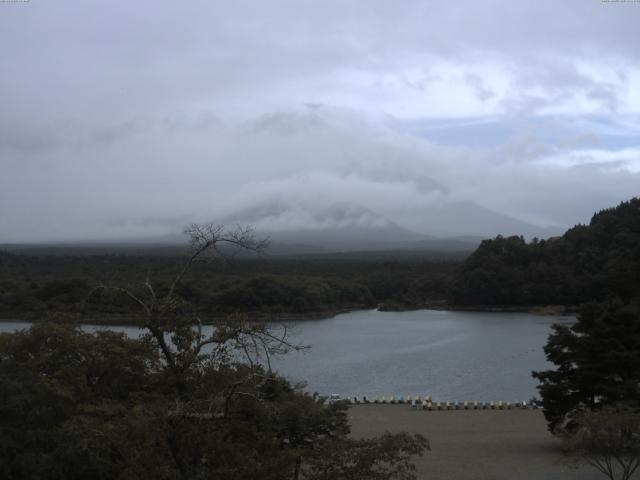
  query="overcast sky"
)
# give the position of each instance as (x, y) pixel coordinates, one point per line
(133, 118)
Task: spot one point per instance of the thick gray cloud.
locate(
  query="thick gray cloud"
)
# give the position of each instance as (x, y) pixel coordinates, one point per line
(127, 119)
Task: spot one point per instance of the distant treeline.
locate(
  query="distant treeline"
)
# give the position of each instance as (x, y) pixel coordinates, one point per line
(31, 286)
(591, 262)
(588, 263)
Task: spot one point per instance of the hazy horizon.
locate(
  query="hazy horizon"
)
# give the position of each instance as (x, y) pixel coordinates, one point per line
(123, 121)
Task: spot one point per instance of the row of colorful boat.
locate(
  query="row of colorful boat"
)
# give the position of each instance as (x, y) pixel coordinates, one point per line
(427, 403)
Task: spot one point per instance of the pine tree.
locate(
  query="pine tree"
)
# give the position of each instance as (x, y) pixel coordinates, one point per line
(597, 360)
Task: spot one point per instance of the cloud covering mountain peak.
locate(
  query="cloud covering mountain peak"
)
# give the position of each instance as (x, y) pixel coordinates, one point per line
(120, 123)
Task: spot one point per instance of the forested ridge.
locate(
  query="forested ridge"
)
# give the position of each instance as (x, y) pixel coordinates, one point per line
(176, 402)
(592, 396)
(588, 263)
(31, 286)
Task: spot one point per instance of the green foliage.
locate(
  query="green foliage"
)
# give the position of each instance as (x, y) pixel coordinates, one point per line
(299, 294)
(54, 375)
(75, 405)
(597, 363)
(588, 263)
(175, 404)
(30, 285)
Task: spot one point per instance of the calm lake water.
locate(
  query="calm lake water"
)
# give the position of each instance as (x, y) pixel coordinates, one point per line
(448, 355)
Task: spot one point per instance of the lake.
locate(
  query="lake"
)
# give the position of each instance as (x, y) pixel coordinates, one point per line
(449, 355)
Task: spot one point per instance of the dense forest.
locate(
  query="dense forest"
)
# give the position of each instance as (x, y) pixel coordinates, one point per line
(175, 403)
(588, 263)
(106, 406)
(31, 286)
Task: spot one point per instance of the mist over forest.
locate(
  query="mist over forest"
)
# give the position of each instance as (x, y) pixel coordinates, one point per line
(319, 240)
(311, 118)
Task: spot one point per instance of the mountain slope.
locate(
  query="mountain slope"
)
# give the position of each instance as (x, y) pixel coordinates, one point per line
(348, 227)
(469, 218)
(337, 227)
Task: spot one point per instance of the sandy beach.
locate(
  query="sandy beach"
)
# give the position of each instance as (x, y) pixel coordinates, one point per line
(475, 444)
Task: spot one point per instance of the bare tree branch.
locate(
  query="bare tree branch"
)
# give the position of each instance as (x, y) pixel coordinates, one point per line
(255, 341)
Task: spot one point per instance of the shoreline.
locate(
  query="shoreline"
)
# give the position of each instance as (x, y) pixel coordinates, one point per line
(125, 320)
(543, 310)
(278, 317)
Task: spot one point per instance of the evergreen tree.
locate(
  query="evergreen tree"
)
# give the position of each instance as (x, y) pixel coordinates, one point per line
(597, 363)
(588, 263)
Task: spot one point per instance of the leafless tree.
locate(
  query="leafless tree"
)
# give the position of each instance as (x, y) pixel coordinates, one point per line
(609, 440)
(179, 335)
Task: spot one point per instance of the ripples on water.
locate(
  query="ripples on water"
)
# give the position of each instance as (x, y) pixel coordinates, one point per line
(448, 355)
